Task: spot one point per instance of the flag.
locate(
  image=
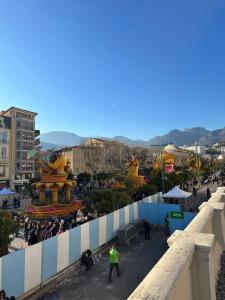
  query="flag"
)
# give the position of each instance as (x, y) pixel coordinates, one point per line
(32, 153)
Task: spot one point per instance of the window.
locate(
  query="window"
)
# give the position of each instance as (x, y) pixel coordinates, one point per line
(23, 115)
(4, 152)
(2, 123)
(17, 155)
(2, 171)
(3, 137)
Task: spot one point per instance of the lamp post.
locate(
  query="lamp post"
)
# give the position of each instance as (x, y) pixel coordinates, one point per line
(161, 163)
(162, 170)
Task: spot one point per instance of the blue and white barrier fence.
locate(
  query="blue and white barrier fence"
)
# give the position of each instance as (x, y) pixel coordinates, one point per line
(22, 271)
(26, 269)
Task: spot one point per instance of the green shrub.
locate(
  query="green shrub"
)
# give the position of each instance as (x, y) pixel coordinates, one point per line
(106, 201)
(7, 227)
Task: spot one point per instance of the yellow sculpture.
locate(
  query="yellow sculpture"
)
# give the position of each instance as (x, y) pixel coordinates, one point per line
(54, 171)
(194, 163)
(53, 179)
(132, 176)
(165, 161)
(58, 165)
(133, 167)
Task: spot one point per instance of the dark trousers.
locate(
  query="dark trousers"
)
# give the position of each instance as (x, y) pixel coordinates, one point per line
(111, 269)
(147, 234)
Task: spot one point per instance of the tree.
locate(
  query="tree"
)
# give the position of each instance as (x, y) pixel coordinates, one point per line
(106, 201)
(148, 189)
(107, 157)
(7, 227)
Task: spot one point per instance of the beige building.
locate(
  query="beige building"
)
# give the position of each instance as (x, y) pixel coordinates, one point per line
(22, 139)
(5, 124)
(96, 155)
(94, 142)
(76, 156)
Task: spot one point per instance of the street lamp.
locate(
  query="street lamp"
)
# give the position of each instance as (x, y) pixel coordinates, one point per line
(161, 163)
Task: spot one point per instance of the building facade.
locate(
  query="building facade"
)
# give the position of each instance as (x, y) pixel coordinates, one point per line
(76, 156)
(22, 140)
(5, 125)
(198, 149)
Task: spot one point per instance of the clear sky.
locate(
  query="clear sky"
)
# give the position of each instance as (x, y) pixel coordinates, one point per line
(137, 68)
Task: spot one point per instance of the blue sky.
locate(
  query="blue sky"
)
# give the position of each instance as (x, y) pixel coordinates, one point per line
(137, 68)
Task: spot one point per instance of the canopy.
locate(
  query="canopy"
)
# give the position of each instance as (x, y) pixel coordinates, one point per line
(6, 192)
(176, 192)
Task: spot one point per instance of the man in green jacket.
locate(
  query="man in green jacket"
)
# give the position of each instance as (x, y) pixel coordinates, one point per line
(114, 262)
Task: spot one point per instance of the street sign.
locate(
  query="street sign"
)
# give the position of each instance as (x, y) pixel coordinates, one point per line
(177, 214)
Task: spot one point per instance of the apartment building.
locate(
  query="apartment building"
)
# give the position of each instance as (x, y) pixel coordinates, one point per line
(5, 125)
(22, 139)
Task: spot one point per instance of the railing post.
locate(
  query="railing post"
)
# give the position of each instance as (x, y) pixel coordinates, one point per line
(203, 280)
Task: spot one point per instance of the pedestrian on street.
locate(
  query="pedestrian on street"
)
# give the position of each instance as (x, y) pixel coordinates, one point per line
(208, 193)
(194, 191)
(114, 262)
(15, 202)
(146, 227)
(167, 223)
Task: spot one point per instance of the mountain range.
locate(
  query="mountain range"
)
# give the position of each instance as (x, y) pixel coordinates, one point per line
(187, 136)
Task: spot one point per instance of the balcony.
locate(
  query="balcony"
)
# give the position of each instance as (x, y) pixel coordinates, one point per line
(37, 132)
(37, 142)
(4, 160)
(4, 141)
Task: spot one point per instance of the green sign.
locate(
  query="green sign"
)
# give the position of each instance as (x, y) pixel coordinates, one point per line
(177, 214)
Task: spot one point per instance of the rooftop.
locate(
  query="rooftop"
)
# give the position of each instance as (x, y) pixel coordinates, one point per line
(19, 109)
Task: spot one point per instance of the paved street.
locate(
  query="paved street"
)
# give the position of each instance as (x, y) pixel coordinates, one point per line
(202, 194)
(136, 261)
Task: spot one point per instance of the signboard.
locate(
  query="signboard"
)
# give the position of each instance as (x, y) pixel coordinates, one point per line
(177, 214)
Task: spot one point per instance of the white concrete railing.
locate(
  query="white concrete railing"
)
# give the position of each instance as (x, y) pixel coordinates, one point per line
(188, 270)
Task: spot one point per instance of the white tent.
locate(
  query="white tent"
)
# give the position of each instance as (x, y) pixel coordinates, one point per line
(178, 196)
(177, 193)
(6, 192)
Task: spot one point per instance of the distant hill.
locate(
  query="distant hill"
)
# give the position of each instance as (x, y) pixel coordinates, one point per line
(190, 136)
(187, 136)
(58, 139)
(49, 146)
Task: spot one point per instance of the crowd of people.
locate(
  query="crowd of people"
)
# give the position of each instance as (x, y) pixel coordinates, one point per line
(3, 296)
(37, 231)
(16, 203)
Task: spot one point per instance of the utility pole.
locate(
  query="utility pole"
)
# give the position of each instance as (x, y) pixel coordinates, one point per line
(161, 164)
(162, 170)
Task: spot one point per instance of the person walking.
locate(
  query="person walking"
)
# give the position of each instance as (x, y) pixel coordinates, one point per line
(114, 262)
(194, 192)
(167, 225)
(208, 193)
(146, 227)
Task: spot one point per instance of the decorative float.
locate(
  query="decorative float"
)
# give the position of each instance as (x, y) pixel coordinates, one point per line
(165, 160)
(132, 176)
(54, 177)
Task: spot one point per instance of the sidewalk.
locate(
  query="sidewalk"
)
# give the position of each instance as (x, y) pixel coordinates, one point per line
(136, 262)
